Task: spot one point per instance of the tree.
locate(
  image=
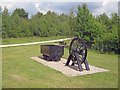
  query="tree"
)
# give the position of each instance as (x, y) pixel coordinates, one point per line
(86, 28)
(114, 18)
(38, 15)
(21, 13)
(5, 22)
(5, 12)
(72, 22)
(107, 41)
(0, 9)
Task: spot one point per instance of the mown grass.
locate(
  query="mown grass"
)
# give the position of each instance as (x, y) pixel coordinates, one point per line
(29, 39)
(0, 66)
(20, 71)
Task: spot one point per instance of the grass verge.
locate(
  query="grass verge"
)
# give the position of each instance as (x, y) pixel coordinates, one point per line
(20, 71)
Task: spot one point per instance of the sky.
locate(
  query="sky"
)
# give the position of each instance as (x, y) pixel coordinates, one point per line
(61, 6)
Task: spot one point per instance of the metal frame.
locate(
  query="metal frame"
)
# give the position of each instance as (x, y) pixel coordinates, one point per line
(78, 53)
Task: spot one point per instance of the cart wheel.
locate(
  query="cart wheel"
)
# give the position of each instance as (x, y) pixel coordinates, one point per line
(78, 45)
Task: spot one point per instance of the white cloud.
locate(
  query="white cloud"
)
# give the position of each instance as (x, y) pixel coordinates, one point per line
(58, 0)
(45, 7)
(8, 5)
(107, 7)
(41, 7)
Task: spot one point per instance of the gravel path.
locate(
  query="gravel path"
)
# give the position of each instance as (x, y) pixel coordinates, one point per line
(32, 43)
(60, 66)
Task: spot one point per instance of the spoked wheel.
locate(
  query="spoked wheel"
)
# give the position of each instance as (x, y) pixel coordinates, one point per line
(78, 46)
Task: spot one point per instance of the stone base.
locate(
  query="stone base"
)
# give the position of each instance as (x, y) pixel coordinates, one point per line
(68, 70)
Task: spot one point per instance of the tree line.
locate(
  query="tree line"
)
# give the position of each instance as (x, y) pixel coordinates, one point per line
(100, 32)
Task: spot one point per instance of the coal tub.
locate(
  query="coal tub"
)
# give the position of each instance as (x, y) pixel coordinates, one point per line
(52, 52)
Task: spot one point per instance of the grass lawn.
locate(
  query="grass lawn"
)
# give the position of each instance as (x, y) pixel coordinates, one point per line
(28, 39)
(20, 71)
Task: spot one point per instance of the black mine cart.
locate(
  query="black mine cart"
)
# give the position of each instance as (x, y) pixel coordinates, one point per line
(52, 52)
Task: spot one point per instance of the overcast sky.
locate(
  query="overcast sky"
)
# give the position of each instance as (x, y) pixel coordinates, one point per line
(60, 6)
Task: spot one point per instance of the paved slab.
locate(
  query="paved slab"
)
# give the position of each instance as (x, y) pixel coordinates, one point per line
(69, 71)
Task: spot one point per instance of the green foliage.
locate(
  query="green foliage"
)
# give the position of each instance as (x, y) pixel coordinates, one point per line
(51, 24)
(20, 12)
(72, 22)
(86, 27)
(100, 32)
(108, 36)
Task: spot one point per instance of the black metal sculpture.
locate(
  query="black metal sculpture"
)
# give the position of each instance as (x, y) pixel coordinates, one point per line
(78, 53)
